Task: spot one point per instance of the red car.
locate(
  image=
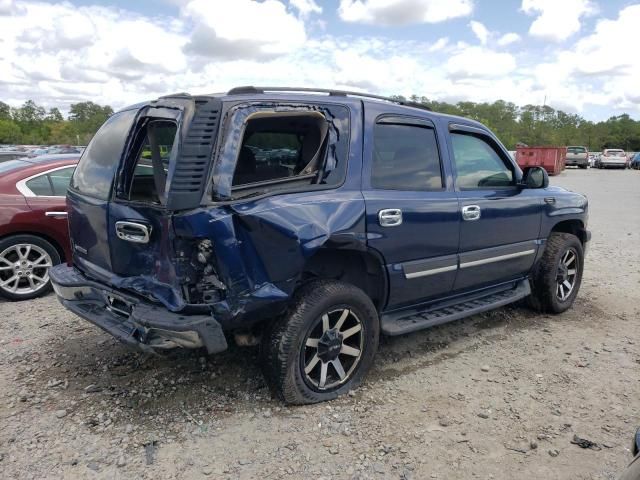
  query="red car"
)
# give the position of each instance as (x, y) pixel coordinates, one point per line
(33, 222)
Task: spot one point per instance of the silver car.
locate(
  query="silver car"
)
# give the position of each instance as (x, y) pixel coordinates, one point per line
(577, 156)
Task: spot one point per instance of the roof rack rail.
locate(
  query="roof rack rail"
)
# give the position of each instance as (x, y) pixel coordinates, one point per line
(331, 92)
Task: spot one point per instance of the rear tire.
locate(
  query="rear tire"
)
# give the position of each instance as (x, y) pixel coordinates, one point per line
(557, 276)
(24, 266)
(302, 351)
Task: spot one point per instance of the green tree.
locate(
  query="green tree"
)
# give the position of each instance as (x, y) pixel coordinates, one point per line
(29, 113)
(5, 111)
(86, 118)
(9, 131)
(54, 115)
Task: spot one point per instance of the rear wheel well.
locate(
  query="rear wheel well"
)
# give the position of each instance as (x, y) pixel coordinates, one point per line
(574, 227)
(361, 269)
(59, 249)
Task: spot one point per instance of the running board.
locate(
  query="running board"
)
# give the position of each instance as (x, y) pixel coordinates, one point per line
(407, 321)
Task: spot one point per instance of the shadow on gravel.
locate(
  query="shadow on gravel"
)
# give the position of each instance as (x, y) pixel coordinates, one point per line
(97, 372)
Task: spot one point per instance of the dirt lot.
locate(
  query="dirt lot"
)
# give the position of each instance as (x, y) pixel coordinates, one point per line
(495, 396)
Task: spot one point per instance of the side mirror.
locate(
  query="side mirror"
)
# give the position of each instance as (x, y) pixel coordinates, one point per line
(535, 177)
(636, 443)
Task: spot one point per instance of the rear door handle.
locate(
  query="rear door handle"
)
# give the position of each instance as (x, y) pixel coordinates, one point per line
(390, 217)
(55, 214)
(133, 232)
(471, 213)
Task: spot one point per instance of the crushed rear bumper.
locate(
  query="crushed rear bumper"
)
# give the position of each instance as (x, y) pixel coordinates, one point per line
(131, 320)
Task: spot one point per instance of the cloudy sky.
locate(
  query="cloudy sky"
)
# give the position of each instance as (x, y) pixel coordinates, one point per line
(581, 55)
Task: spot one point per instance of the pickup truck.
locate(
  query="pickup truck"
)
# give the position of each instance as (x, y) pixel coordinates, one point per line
(308, 223)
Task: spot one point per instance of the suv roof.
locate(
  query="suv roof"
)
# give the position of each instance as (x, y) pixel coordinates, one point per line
(330, 92)
(306, 94)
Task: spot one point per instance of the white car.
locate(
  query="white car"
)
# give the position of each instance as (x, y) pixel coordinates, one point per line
(613, 157)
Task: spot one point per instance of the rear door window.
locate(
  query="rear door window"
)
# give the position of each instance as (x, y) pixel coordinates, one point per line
(405, 157)
(51, 184)
(60, 180)
(40, 186)
(96, 170)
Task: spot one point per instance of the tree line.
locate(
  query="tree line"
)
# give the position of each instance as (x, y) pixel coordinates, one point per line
(529, 124)
(32, 124)
(543, 125)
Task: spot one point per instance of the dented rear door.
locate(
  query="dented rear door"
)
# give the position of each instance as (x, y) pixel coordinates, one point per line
(161, 169)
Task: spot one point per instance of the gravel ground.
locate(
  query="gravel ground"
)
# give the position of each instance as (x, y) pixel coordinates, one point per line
(495, 396)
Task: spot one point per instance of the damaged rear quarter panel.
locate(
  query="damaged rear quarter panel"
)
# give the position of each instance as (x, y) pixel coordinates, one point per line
(262, 246)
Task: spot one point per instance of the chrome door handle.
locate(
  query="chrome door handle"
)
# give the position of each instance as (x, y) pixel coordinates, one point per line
(133, 232)
(471, 213)
(55, 214)
(390, 217)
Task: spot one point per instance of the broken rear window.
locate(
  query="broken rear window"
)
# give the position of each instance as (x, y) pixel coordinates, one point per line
(280, 147)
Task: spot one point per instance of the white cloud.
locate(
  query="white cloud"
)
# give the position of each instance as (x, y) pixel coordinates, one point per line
(480, 31)
(118, 57)
(237, 28)
(508, 39)
(480, 62)
(557, 20)
(596, 70)
(7, 7)
(306, 7)
(439, 44)
(403, 12)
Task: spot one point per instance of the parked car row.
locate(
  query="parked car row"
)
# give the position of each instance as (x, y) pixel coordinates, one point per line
(33, 222)
(9, 152)
(608, 158)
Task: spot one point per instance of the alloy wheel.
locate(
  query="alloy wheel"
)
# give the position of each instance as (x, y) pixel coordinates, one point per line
(332, 349)
(24, 268)
(567, 274)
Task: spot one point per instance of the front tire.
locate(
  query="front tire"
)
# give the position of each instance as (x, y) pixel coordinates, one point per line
(24, 266)
(557, 276)
(323, 346)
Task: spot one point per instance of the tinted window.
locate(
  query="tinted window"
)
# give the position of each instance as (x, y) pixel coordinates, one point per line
(405, 157)
(95, 172)
(60, 180)
(478, 165)
(40, 185)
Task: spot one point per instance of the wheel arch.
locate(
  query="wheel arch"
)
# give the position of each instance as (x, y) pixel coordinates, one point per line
(361, 268)
(573, 226)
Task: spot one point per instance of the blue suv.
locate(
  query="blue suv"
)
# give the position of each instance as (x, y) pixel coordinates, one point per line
(308, 222)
